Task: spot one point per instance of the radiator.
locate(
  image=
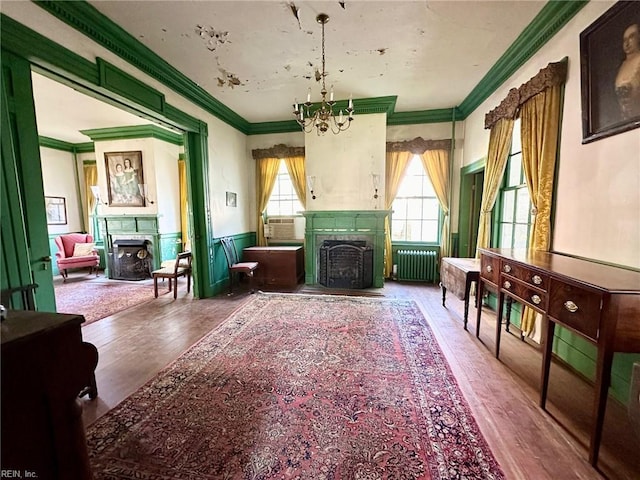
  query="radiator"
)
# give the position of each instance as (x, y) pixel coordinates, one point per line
(418, 265)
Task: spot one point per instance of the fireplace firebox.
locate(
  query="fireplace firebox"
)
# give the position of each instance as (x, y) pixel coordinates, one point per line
(345, 264)
(131, 259)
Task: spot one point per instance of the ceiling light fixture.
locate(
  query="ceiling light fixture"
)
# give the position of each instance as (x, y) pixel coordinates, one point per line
(323, 118)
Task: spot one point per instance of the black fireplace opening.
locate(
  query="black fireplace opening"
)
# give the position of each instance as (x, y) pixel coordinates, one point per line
(130, 259)
(345, 264)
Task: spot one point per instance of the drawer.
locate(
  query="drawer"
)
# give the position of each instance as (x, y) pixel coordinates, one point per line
(530, 295)
(490, 268)
(575, 307)
(525, 273)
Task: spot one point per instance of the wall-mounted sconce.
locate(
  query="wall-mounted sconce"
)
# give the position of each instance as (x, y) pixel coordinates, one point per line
(310, 182)
(95, 189)
(144, 191)
(376, 183)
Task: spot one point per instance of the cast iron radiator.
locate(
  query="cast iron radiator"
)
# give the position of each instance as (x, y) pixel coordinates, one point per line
(417, 265)
(345, 264)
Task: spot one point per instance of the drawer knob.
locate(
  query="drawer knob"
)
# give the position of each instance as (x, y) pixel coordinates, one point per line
(507, 284)
(489, 268)
(507, 268)
(537, 279)
(536, 299)
(572, 307)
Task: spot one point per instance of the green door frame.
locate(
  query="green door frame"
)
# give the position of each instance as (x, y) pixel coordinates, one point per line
(469, 195)
(123, 91)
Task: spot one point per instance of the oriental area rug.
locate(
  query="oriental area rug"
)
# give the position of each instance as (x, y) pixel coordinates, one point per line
(96, 299)
(306, 387)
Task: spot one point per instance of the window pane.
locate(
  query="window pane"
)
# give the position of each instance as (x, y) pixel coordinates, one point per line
(430, 208)
(284, 200)
(430, 231)
(414, 208)
(508, 205)
(523, 208)
(506, 235)
(398, 232)
(520, 236)
(414, 231)
(515, 170)
(516, 140)
(427, 188)
(399, 208)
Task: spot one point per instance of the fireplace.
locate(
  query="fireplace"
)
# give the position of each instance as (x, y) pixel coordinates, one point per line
(131, 259)
(345, 264)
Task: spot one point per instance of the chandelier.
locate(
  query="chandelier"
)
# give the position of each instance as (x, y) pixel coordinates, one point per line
(323, 117)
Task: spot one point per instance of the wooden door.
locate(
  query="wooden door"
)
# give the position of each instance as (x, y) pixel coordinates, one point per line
(25, 244)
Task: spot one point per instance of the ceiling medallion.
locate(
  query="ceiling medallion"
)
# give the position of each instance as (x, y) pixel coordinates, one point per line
(323, 118)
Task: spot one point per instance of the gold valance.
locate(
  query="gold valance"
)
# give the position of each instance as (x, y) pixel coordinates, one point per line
(278, 151)
(418, 145)
(553, 74)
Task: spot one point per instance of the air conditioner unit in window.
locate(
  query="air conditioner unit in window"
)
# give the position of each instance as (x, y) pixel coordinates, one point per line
(280, 229)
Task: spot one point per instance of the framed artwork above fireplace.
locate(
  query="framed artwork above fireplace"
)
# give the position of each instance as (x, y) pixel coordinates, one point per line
(124, 177)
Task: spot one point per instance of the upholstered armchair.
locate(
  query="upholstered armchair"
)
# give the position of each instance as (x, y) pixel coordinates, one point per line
(76, 250)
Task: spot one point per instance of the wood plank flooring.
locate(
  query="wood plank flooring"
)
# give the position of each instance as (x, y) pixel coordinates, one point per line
(528, 442)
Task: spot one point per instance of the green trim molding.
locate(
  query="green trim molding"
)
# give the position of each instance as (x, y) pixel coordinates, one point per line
(88, 20)
(549, 21)
(135, 131)
(48, 142)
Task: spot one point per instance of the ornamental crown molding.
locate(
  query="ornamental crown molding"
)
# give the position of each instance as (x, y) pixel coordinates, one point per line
(552, 75)
(418, 145)
(277, 151)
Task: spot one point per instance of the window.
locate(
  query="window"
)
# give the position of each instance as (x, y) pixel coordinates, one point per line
(416, 211)
(514, 221)
(284, 200)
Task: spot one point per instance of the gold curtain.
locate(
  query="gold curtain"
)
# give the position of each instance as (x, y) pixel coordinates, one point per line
(540, 117)
(436, 164)
(184, 213)
(295, 167)
(395, 167)
(266, 173)
(499, 146)
(90, 171)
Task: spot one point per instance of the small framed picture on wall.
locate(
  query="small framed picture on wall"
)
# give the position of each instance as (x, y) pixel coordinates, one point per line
(56, 208)
(232, 199)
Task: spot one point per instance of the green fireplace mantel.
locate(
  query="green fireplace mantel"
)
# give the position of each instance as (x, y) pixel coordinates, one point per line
(344, 223)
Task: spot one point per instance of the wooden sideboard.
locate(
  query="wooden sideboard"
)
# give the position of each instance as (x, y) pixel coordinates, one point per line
(45, 365)
(278, 266)
(601, 303)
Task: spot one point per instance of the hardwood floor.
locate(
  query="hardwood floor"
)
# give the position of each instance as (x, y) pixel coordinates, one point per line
(529, 443)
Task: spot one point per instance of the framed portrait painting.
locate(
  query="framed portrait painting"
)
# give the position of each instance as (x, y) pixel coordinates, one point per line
(610, 72)
(56, 208)
(124, 177)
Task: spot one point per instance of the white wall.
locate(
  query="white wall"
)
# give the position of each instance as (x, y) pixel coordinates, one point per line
(342, 165)
(59, 180)
(597, 207)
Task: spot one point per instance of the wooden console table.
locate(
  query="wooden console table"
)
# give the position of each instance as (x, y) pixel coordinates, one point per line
(45, 365)
(457, 275)
(278, 266)
(601, 303)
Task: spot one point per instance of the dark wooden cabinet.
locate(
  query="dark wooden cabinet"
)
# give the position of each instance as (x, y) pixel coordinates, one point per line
(45, 365)
(599, 302)
(279, 266)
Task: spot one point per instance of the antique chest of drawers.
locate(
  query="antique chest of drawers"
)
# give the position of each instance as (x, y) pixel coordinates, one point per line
(279, 266)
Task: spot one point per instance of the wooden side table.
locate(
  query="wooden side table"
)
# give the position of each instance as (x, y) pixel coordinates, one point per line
(457, 275)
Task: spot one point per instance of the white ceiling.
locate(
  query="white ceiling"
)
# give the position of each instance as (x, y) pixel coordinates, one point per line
(256, 57)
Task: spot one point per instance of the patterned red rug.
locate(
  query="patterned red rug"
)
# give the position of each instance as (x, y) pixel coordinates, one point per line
(96, 299)
(300, 387)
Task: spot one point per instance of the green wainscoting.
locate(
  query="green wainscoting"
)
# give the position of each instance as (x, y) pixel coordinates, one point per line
(170, 245)
(220, 267)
